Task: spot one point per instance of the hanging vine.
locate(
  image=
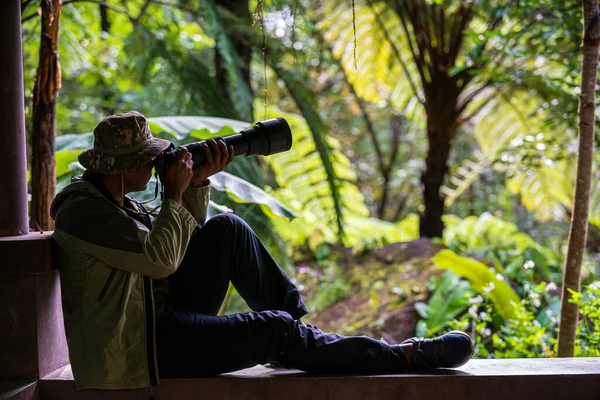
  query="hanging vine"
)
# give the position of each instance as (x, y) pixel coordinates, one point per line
(259, 16)
(354, 32)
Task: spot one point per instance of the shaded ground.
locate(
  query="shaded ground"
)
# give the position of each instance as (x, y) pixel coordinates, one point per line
(386, 284)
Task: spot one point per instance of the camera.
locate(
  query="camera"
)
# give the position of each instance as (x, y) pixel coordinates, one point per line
(265, 138)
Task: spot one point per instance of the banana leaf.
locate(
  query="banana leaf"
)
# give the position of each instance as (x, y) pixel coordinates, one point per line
(447, 301)
(502, 296)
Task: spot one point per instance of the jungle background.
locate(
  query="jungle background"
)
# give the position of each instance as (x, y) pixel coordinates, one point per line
(431, 179)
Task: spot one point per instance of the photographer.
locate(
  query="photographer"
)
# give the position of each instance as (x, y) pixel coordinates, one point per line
(141, 293)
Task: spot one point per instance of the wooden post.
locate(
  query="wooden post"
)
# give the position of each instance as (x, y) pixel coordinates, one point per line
(13, 162)
(32, 336)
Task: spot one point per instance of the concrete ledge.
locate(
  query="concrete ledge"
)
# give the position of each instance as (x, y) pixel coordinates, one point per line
(32, 333)
(18, 390)
(567, 378)
(28, 254)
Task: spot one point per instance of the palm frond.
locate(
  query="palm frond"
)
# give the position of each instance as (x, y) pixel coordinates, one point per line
(185, 69)
(306, 103)
(304, 185)
(382, 70)
(239, 91)
(463, 177)
(493, 129)
(546, 191)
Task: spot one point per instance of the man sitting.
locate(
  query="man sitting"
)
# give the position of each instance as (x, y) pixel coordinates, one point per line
(141, 292)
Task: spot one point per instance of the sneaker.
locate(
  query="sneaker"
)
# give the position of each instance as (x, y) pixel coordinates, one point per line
(451, 350)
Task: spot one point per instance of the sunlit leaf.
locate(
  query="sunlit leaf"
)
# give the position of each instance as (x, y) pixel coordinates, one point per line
(244, 192)
(501, 294)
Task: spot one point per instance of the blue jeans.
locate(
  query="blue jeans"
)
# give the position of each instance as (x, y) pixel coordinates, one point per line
(193, 342)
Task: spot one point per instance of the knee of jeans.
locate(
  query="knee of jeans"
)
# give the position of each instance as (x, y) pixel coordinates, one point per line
(223, 222)
(214, 225)
(280, 322)
(280, 326)
(227, 219)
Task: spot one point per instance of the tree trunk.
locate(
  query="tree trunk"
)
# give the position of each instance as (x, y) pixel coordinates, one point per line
(441, 128)
(579, 221)
(47, 83)
(387, 168)
(104, 21)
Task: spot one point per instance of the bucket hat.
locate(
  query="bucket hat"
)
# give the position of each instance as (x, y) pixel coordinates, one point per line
(121, 142)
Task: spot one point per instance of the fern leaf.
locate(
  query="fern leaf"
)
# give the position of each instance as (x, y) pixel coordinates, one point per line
(382, 70)
(307, 105)
(239, 90)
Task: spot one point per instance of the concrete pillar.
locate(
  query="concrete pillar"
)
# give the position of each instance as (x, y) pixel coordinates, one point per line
(13, 162)
(32, 335)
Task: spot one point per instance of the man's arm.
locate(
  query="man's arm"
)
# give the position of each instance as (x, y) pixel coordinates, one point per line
(93, 227)
(197, 196)
(196, 200)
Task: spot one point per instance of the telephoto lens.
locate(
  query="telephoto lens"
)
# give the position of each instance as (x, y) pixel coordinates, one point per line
(265, 138)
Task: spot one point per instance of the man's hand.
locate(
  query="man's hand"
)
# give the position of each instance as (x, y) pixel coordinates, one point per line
(178, 176)
(216, 161)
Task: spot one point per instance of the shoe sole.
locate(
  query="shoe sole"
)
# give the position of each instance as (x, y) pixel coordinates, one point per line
(472, 348)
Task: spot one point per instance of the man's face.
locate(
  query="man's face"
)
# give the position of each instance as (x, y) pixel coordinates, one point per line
(138, 177)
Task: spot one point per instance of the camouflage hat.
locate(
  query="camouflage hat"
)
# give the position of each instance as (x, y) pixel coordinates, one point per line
(121, 142)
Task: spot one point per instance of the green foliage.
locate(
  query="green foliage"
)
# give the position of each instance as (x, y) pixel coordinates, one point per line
(482, 280)
(519, 74)
(494, 129)
(159, 65)
(238, 89)
(335, 183)
(63, 160)
(547, 190)
(532, 332)
(475, 322)
(366, 234)
(183, 129)
(383, 64)
(448, 299)
(499, 244)
(521, 336)
(410, 225)
(242, 191)
(306, 103)
(164, 64)
(305, 185)
(319, 285)
(375, 287)
(588, 329)
(595, 205)
(329, 293)
(531, 265)
(485, 231)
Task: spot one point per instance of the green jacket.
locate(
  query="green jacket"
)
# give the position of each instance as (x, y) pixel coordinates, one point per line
(108, 263)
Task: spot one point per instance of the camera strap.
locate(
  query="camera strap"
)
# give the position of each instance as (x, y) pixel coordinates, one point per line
(162, 193)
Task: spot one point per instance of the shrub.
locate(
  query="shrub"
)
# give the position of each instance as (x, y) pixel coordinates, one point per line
(533, 330)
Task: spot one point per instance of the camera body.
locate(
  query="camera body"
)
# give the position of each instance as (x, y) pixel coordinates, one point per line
(265, 138)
